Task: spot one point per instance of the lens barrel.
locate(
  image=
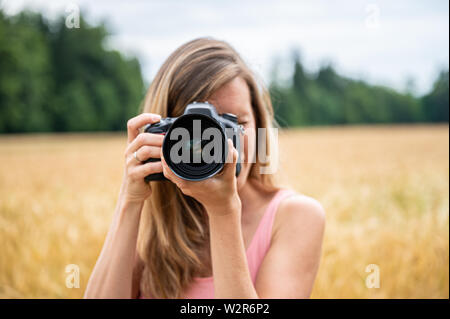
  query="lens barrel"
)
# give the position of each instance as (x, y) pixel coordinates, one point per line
(185, 154)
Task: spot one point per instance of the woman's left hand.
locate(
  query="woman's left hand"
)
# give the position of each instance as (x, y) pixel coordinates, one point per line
(217, 194)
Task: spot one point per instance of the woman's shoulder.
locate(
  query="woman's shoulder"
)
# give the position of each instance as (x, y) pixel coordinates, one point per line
(299, 212)
(300, 203)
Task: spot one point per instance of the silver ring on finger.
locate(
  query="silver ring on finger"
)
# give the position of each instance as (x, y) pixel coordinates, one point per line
(137, 159)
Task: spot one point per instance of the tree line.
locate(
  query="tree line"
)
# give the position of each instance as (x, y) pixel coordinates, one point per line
(326, 98)
(55, 79)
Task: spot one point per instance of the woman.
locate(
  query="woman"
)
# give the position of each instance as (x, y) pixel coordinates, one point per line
(224, 237)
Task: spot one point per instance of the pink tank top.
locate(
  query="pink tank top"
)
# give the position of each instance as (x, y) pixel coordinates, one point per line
(203, 287)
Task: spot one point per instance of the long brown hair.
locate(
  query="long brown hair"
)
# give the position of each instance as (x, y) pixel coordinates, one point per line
(174, 231)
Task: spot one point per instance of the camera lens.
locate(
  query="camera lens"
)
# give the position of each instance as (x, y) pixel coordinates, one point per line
(195, 147)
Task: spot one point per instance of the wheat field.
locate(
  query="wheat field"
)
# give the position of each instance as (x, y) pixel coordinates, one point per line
(385, 190)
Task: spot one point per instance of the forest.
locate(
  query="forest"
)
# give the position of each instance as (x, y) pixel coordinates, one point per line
(58, 79)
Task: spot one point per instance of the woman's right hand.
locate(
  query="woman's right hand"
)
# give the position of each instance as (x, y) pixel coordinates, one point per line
(146, 145)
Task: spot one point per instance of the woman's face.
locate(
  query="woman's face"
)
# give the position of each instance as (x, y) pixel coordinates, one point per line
(234, 97)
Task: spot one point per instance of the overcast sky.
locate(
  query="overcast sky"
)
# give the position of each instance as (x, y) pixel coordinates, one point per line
(384, 42)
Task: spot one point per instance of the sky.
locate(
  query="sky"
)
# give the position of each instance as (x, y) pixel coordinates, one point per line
(390, 43)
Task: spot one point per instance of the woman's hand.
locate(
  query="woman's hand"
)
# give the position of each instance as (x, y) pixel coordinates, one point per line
(217, 194)
(146, 145)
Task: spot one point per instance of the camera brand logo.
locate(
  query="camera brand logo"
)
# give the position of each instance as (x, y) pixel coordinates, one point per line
(73, 277)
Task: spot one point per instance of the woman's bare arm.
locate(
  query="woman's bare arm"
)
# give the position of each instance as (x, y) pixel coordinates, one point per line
(290, 266)
(112, 274)
(229, 262)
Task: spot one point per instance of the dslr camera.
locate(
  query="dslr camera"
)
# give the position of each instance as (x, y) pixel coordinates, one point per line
(195, 144)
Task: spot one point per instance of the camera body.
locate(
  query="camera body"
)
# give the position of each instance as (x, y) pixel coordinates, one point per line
(205, 135)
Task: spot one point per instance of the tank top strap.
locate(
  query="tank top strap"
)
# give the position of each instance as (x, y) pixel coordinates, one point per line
(269, 217)
(262, 237)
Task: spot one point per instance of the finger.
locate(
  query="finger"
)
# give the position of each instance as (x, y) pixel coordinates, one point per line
(144, 139)
(231, 161)
(146, 152)
(141, 171)
(168, 173)
(166, 169)
(135, 123)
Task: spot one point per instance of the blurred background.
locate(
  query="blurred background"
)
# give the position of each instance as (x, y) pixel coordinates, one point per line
(360, 89)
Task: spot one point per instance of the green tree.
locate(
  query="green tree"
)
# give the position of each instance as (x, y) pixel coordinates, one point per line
(325, 97)
(25, 73)
(436, 103)
(54, 78)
